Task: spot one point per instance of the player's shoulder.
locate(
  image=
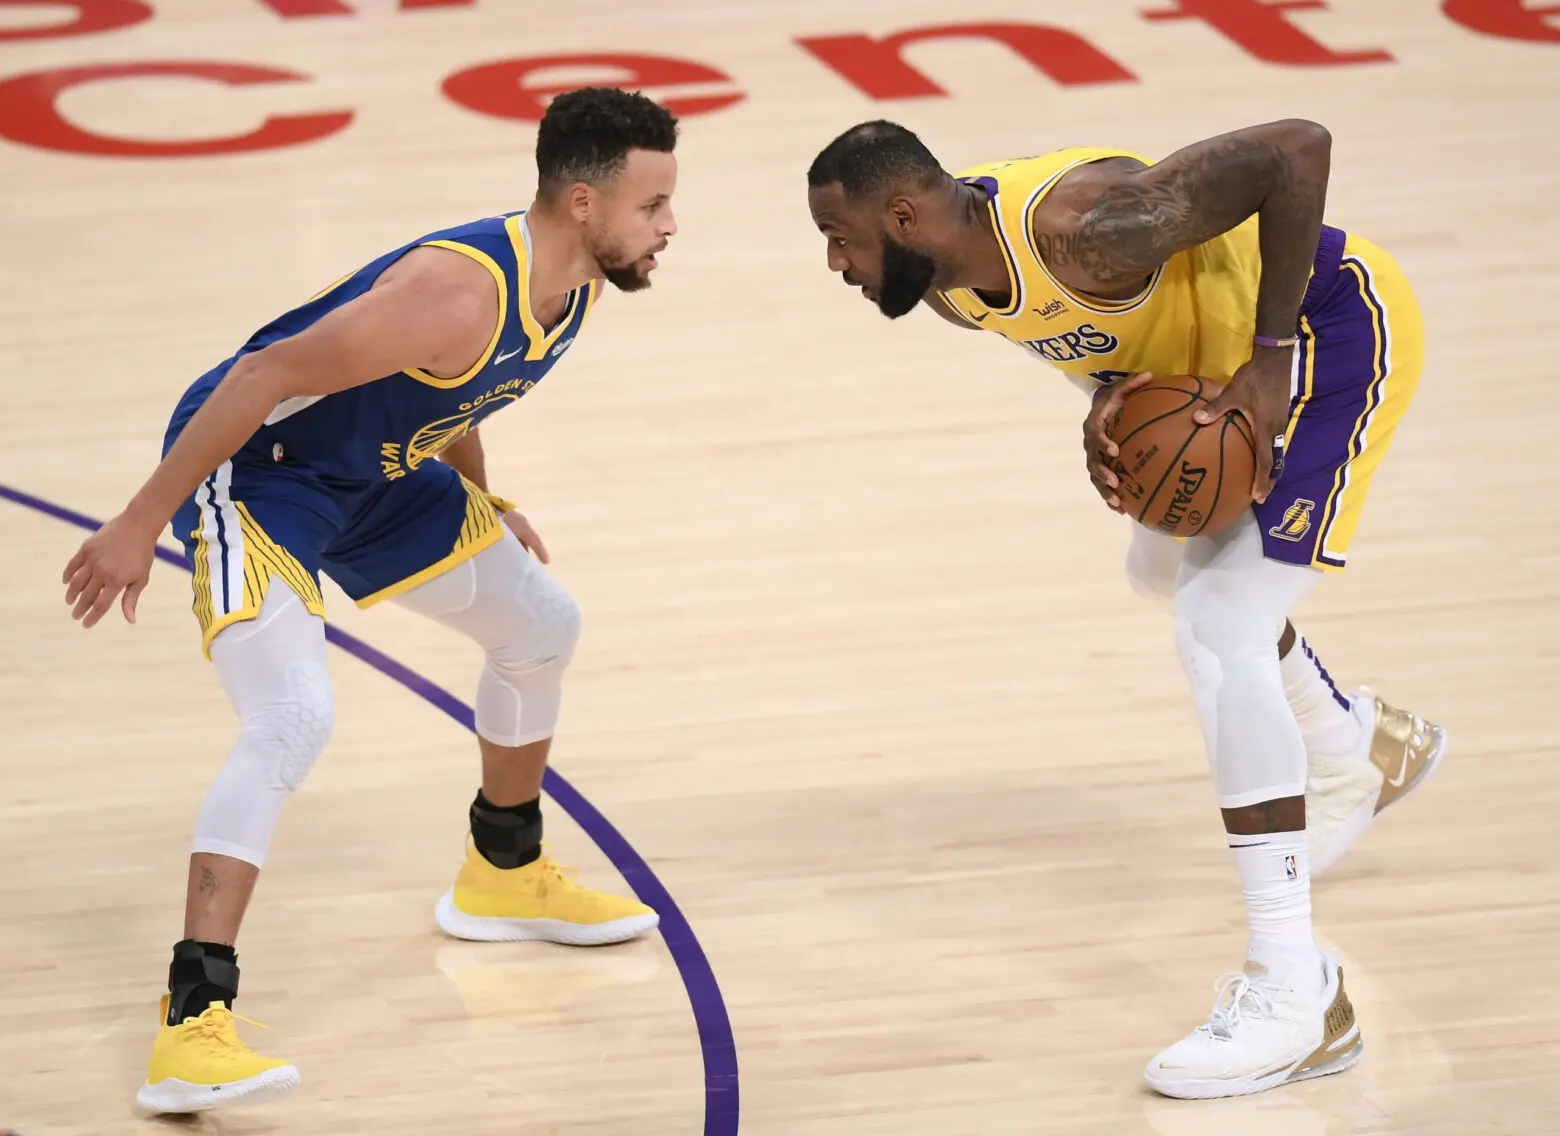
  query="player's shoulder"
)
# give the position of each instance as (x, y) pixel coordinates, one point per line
(1033, 171)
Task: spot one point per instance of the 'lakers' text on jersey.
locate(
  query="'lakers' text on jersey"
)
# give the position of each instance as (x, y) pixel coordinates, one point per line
(383, 430)
(1195, 315)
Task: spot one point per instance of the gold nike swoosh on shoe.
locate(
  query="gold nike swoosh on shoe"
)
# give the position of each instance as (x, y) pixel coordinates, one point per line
(1405, 747)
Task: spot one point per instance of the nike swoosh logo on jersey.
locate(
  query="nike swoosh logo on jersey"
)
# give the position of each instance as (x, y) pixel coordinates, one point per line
(497, 359)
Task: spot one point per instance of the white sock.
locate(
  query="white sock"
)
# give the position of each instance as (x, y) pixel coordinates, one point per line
(1326, 718)
(1275, 875)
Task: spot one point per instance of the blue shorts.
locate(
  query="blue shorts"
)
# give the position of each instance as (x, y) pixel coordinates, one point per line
(255, 520)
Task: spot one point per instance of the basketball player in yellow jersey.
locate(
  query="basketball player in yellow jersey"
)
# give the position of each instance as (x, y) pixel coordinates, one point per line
(1215, 262)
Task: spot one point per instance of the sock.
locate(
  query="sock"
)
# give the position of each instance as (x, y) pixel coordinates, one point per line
(1326, 718)
(509, 837)
(1275, 876)
(200, 974)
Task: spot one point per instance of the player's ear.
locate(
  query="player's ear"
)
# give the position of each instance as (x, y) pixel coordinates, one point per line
(579, 197)
(903, 217)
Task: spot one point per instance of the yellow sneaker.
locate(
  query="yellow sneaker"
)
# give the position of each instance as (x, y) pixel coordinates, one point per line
(538, 901)
(201, 1064)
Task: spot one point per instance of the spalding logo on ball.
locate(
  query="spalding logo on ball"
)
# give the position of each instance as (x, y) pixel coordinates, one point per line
(1177, 477)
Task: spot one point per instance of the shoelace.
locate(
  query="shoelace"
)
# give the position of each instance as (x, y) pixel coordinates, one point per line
(1234, 995)
(212, 1024)
(554, 872)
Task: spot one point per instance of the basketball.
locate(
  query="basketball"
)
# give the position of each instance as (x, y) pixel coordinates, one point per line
(1177, 477)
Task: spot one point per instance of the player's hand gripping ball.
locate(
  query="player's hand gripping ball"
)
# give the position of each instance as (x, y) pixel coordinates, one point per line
(1173, 475)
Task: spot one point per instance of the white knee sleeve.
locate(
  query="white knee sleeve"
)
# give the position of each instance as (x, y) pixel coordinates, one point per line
(1230, 607)
(525, 621)
(1153, 563)
(273, 669)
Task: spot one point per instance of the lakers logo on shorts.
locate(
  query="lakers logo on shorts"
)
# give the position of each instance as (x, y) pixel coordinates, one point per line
(1296, 521)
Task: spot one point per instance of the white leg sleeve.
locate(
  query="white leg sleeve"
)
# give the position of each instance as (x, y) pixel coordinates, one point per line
(1153, 564)
(1230, 607)
(273, 669)
(527, 624)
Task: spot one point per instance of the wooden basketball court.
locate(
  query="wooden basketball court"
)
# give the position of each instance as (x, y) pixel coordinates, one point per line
(862, 686)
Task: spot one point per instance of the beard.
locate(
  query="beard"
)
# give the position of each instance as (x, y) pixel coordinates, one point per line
(620, 270)
(907, 275)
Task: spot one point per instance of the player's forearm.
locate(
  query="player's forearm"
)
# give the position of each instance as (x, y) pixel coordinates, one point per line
(466, 458)
(234, 411)
(1289, 224)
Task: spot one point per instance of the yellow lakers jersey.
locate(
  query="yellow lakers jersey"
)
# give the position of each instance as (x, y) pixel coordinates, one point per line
(1195, 315)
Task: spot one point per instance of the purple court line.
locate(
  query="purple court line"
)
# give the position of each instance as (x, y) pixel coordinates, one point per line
(709, 1008)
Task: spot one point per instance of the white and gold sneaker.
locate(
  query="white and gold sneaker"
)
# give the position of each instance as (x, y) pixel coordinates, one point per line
(1344, 793)
(1261, 1035)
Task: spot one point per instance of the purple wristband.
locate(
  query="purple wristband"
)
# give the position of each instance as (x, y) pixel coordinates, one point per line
(1269, 341)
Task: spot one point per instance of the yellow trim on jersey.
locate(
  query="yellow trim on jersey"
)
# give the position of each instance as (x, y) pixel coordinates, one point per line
(482, 528)
(487, 262)
(331, 288)
(1009, 262)
(539, 341)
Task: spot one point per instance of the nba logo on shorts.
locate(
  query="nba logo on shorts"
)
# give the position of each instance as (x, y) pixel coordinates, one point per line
(1289, 867)
(1296, 521)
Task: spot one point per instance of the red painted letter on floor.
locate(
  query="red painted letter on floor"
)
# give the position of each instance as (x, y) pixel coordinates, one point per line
(29, 112)
(878, 69)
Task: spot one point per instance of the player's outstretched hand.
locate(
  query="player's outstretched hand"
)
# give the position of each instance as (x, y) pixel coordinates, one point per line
(1259, 392)
(1097, 446)
(116, 559)
(526, 534)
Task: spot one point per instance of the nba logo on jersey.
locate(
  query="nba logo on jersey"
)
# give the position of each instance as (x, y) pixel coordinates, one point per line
(1296, 521)
(1289, 867)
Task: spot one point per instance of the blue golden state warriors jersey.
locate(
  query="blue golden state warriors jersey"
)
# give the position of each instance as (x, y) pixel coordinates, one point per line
(382, 430)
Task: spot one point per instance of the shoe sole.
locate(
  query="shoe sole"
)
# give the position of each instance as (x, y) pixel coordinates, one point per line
(488, 929)
(175, 1097)
(1365, 814)
(1211, 1090)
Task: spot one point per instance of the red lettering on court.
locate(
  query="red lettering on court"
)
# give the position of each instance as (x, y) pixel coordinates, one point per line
(293, 9)
(1261, 27)
(29, 112)
(91, 16)
(296, 9)
(877, 66)
(501, 89)
(1507, 19)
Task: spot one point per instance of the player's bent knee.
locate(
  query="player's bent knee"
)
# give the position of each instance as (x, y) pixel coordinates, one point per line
(294, 730)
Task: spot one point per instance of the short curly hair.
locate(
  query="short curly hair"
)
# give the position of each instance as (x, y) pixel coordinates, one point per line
(587, 133)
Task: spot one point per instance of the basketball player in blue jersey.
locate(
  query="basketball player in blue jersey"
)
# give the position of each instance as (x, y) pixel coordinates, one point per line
(343, 438)
(1215, 262)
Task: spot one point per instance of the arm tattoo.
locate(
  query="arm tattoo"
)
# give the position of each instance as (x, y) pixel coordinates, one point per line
(1058, 249)
(208, 882)
(1278, 172)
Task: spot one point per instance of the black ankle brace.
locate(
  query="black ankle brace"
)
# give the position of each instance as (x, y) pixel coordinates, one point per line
(507, 837)
(200, 974)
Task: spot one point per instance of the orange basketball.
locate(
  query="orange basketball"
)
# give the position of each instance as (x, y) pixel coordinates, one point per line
(1176, 476)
